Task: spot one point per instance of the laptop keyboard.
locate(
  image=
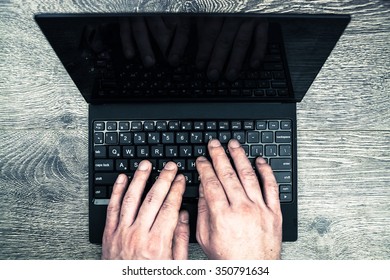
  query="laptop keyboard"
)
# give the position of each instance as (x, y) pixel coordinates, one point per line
(119, 146)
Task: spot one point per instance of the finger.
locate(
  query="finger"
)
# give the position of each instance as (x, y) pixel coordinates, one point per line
(208, 30)
(261, 41)
(127, 39)
(225, 173)
(245, 172)
(181, 237)
(114, 206)
(222, 48)
(214, 193)
(180, 42)
(239, 50)
(270, 186)
(156, 196)
(161, 33)
(132, 199)
(167, 217)
(203, 221)
(141, 36)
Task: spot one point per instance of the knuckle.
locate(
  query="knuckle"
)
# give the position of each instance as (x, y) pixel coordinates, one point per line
(211, 183)
(228, 173)
(248, 174)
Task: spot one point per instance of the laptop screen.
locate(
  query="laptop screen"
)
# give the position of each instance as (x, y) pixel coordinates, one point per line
(192, 57)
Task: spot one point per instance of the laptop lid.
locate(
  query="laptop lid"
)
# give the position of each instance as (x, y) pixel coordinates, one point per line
(133, 57)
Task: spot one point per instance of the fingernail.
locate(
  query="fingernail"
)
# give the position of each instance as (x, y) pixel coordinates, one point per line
(214, 143)
(234, 143)
(213, 75)
(201, 159)
(143, 165)
(260, 160)
(121, 178)
(148, 61)
(170, 166)
(178, 177)
(184, 218)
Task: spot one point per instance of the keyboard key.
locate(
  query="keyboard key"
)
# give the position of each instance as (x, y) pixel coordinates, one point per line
(100, 192)
(134, 163)
(285, 124)
(253, 137)
(191, 192)
(239, 136)
(99, 126)
(285, 150)
(181, 164)
(211, 125)
(104, 165)
(143, 151)
(246, 149)
(267, 137)
(153, 137)
(273, 125)
(111, 126)
(121, 165)
(236, 125)
(100, 151)
(283, 137)
(171, 151)
(105, 178)
(128, 151)
(285, 189)
(191, 165)
(148, 126)
(114, 151)
(224, 137)
(200, 151)
(196, 137)
(283, 176)
(280, 163)
(223, 125)
(98, 138)
(261, 125)
(173, 125)
(270, 150)
(136, 126)
(248, 125)
(209, 135)
(185, 151)
(198, 125)
(125, 138)
(186, 125)
(285, 197)
(167, 138)
(256, 150)
(157, 151)
(188, 177)
(182, 137)
(161, 126)
(124, 126)
(111, 138)
(139, 138)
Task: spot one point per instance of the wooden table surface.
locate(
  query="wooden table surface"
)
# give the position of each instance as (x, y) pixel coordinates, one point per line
(343, 132)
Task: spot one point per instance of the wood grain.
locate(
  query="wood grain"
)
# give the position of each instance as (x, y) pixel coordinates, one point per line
(343, 124)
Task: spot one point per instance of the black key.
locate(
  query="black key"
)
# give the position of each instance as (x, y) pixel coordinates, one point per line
(248, 125)
(263, 84)
(273, 66)
(209, 135)
(239, 136)
(114, 152)
(223, 125)
(261, 125)
(111, 138)
(285, 124)
(236, 125)
(282, 92)
(196, 137)
(185, 151)
(104, 165)
(246, 149)
(200, 151)
(98, 126)
(157, 151)
(259, 92)
(285, 150)
(283, 137)
(188, 177)
(105, 178)
(173, 125)
(162, 163)
(125, 138)
(139, 138)
(181, 164)
(285, 197)
(285, 189)
(128, 151)
(161, 126)
(270, 150)
(282, 177)
(124, 126)
(186, 125)
(273, 125)
(134, 163)
(265, 75)
(211, 125)
(136, 126)
(171, 151)
(100, 151)
(198, 125)
(100, 192)
(224, 137)
(280, 163)
(121, 165)
(191, 192)
(279, 84)
(270, 92)
(256, 150)
(148, 126)
(154, 137)
(246, 92)
(253, 137)
(267, 137)
(98, 138)
(111, 126)
(167, 138)
(191, 164)
(182, 137)
(143, 151)
(279, 75)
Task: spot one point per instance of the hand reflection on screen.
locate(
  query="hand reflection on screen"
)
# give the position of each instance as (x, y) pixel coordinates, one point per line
(224, 44)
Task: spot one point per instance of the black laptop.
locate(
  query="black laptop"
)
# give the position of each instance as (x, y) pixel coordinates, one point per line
(160, 86)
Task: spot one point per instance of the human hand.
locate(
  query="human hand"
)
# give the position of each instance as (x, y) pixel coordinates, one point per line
(155, 230)
(235, 221)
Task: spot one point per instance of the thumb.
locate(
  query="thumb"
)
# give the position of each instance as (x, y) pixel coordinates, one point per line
(181, 237)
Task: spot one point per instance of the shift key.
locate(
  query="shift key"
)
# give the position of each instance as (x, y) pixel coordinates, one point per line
(105, 178)
(104, 165)
(283, 176)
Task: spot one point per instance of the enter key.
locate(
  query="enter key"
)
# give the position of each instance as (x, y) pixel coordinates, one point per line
(280, 163)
